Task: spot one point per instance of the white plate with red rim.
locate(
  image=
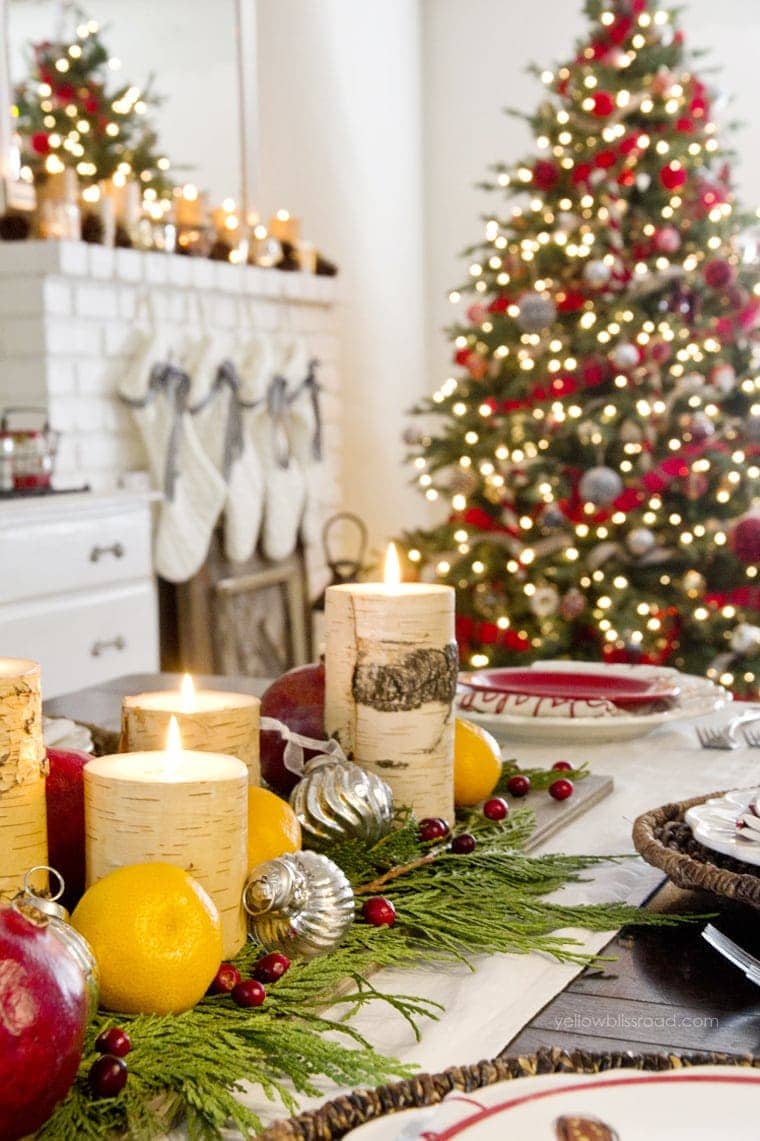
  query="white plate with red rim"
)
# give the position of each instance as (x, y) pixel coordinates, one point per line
(713, 824)
(697, 697)
(699, 1103)
(624, 690)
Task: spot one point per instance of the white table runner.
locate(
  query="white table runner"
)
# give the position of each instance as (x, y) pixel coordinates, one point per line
(484, 1009)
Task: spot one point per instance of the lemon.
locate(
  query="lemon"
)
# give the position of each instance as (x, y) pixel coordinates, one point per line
(156, 936)
(273, 827)
(477, 763)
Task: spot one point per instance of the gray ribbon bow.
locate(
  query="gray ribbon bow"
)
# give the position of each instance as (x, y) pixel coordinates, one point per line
(167, 377)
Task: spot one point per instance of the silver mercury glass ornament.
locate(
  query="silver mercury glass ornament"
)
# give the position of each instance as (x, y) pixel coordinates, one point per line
(58, 920)
(338, 800)
(300, 903)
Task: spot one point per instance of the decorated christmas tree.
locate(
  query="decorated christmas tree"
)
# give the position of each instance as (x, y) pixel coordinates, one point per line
(598, 447)
(72, 112)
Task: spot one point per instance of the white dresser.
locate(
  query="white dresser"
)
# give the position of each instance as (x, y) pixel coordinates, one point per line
(77, 591)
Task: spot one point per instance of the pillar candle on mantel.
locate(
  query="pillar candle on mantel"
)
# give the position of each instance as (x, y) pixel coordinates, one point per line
(210, 720)
(390, 678)
(23, 765)
(178, 807)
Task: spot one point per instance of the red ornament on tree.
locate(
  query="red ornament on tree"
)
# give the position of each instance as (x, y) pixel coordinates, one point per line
(604, 104)
(745, 540)
(40, 143)
(581, 172)
(545, 174)
(672, 176)
(718, 273)
(605, 159)
(570, 300)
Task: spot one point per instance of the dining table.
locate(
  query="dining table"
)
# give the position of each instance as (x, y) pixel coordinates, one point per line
(651, 989)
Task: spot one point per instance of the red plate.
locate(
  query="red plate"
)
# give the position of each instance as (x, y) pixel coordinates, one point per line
(621, 689)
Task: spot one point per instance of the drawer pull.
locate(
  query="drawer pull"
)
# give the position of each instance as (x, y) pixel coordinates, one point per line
(117, 643)
(116, 549)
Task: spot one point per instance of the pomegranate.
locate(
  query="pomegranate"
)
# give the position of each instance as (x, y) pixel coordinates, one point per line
(43, 1017)
(297, 699)
(64, 789)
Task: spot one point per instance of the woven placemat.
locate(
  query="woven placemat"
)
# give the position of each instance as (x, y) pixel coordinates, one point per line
(340, 1116)
(663, 839)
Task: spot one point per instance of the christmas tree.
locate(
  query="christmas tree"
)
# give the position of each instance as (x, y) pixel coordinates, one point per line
(72, 114)
(598, 449)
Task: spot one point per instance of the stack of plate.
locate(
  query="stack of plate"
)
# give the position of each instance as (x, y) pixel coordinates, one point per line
(583, 701)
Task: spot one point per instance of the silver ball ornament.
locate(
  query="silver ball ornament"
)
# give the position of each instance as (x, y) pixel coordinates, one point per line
(572, 604)
(745, 638)
(597, 273)
(300, 904)
(337, 800)
(625, 355)
(536, 313)
(544, 601)
(640, 541)
(600, 485)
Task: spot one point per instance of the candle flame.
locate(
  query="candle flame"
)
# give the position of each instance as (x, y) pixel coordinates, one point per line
(187, 692)
(392, 576)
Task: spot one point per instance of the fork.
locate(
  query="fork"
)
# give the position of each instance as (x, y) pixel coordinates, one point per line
(726, 737)
(733, 952)
(752, 737)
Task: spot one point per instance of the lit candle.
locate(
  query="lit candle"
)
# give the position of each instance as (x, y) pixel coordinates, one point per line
(285, 227)
(23, 827)
(390, 672)
(210, 720)
(178, 807)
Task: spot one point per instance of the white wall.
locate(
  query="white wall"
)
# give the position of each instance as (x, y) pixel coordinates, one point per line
(475, 52)
(341, 138)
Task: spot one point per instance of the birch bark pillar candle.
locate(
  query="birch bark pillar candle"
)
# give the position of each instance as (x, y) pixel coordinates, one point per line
(209, 720)
(178, 807)
(23, 765)
(390, 678)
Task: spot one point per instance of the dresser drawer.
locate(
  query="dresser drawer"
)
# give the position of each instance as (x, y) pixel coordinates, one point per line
(81, 640)
(82, 551)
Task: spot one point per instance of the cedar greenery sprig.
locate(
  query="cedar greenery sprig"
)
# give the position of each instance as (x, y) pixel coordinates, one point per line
(197, 1064)
(539, 778)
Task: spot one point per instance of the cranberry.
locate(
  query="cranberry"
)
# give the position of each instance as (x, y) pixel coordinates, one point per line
(107, 1076)
(271, 967)
(518, 785)
(496, 809)
(379, 911)
(249, 993)
(463, 844)
(225, 979)
(561, 789)
(562, 767)
(433, 828)
(113, 1041)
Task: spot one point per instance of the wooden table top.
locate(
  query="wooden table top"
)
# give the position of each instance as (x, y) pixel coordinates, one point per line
(666, 988)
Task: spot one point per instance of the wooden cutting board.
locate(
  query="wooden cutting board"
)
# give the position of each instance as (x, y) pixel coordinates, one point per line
(552, 815)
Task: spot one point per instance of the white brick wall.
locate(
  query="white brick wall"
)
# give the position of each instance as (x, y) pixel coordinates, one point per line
(67, 311)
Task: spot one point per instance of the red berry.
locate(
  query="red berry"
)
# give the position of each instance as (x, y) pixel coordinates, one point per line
(379, 911)
(495, 809)
(225, 979)
(271, 967)
(113, 1041)
(561, 789)
(249, 993)
(463, 844)
(518, 785)
(562, 767)
(107, 1076)
(433, 828)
